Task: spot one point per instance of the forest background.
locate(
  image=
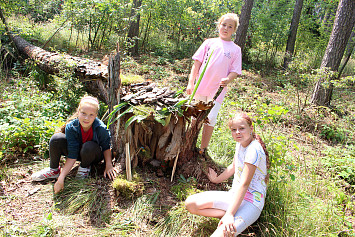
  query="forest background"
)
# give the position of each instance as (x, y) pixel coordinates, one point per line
(310, 140)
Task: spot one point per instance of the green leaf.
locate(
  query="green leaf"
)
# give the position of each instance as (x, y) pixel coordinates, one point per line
(180, 103)
(200, 78)
(116, 108)
(130, 109)
(49, 216)
(293, 177)
(132, 119)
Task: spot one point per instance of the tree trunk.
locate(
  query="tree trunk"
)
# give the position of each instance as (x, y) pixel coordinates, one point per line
(114, 86)
(291, 40)
(244, 18)
(133, 31)
(349, 50)
(343, 25)
(92, 73)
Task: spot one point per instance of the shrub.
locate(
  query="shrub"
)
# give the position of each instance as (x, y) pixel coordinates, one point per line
(28, 118)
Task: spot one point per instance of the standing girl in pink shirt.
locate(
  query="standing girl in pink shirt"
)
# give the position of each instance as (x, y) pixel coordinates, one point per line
(224, 66)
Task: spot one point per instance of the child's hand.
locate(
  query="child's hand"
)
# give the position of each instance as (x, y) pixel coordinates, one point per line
(110, 171)
(189, 89)
(227, 223)
(212, 175)
(225, 81)
(58, 186)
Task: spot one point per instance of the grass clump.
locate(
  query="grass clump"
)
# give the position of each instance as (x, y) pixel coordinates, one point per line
(127, 189)
(185, 187)
(179, 222)
(87, 197)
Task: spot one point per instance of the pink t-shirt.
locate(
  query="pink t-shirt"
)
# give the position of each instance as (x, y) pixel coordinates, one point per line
(226, 58)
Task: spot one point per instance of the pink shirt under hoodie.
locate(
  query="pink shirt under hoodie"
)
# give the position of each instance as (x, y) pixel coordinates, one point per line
(226, 58)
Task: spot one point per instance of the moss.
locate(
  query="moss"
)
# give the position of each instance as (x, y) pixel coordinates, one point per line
(128, 189)
(131, 79)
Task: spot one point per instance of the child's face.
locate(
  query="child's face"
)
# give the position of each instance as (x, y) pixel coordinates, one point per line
(241, 131)
(226, 29)
(87, 115)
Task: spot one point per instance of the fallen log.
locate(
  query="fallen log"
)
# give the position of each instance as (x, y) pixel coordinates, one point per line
(92, 73)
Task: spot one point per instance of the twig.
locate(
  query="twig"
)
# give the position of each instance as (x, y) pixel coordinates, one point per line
(128, 163)
(174, 168)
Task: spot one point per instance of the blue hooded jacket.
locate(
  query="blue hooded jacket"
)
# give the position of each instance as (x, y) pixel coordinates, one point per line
(101, 135)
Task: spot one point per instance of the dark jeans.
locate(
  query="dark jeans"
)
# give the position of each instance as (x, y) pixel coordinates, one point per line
(90, 152)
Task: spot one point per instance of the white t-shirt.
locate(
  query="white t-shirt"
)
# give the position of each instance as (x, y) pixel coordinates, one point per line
(253, 154)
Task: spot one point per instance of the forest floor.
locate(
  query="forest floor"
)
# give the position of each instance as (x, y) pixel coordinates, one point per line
(32, 209)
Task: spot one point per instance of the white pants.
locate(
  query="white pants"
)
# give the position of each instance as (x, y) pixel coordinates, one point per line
(212, 116)
(246, 214)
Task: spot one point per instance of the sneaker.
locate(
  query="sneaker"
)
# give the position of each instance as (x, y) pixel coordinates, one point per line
(47, 173)
(82, 173)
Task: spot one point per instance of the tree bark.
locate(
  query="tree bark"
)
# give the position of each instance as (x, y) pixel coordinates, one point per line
(133, 32)
(114, 86)
(291, 40)
(244, 18)
(343, 25)
(349, 50)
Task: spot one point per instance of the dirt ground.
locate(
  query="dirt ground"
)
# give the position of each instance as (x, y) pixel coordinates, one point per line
(25, 206)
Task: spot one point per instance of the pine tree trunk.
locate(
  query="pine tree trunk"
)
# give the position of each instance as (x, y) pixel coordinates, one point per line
(244, 18)
(133, 32)
(343, 25)
(349, 51)
(291, 40)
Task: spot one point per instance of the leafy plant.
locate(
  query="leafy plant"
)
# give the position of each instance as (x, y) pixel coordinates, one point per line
(140, 113)
(27, 121)
(331, 133)
(45, 229)
(185, 187)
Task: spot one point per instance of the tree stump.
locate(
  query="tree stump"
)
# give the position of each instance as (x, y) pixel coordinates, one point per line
(149, 140)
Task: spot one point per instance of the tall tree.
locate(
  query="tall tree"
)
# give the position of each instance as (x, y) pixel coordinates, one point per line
(348, 52)
(133, 31)
(242, 30)
(291, 40)
(343, 25)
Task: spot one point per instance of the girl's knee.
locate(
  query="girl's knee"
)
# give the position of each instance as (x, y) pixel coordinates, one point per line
(57, 137)
(190, 204)
(90, 147)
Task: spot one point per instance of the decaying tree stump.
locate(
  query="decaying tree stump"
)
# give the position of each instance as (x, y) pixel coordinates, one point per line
(114, 86)
(149, 140)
